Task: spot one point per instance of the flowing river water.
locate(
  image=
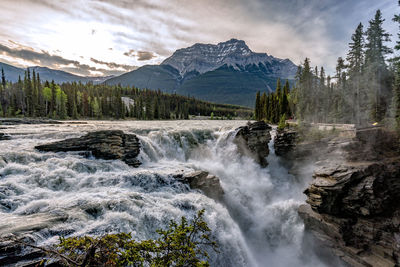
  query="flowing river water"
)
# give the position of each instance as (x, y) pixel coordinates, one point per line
(54, 194)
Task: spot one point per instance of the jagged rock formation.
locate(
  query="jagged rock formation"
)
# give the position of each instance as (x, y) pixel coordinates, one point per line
(204, 181)
(284, 142)
(234, 53)
(354, 200)
(252, 140)
(107, 144)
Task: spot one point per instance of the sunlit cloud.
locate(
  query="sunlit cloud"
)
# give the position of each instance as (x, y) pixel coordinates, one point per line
(135, 33)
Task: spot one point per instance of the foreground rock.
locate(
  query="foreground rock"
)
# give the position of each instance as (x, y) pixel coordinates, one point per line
(108, 144)
(12, 252)
(203, 181)
(354, 201)
(3, 136)
(252, 140)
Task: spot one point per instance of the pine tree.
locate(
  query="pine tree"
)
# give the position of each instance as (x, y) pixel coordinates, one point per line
(376, 68)
(257, 111)
(355, 59)
(396, 87)
(285, 102)
(3, 97)
(304, 78)
(53, 101)
(3, 79)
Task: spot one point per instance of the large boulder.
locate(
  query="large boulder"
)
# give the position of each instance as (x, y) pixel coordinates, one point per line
(107, 144)
(209, 184)
(252, 140)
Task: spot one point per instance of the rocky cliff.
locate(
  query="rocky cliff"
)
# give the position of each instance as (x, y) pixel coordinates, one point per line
(353, 202)
(252, 140)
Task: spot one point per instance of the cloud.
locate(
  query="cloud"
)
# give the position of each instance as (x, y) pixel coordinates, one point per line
(45, 59)
(144, 55)
(113, 65)
(41, 58)
(140, 55)
(130, 53)
(319, 29)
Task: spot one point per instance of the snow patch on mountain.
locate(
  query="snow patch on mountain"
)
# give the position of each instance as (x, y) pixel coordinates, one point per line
(234, 53)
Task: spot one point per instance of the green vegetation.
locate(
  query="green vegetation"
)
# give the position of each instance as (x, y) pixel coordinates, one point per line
(362, 90)
(32, 98)
(282, 122)
(274, 106)
(365, 88)
(182, 244)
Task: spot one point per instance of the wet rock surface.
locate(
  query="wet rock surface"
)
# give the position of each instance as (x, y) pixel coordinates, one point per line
(3, 136)
(209, 184)
(252, 140)
(107, 144)
(16, 121)
(284, 142)
(354, 201)
(13, 253)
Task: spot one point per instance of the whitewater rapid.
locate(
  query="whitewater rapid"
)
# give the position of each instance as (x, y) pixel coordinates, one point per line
(55, 194)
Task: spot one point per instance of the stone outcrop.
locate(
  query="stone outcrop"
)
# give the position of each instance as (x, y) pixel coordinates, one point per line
(252, 140)
(107, 144)
(4, 136)
(209, 184)
(14, 253)
(17, 121)
(284, 142)
(354, 200)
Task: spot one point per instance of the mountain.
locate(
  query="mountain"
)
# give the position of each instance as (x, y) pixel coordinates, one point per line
(228, 72)
(58, 76)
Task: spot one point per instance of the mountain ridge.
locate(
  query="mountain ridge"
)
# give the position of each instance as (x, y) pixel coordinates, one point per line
(209, 57)
(228, 72)
(59, 76)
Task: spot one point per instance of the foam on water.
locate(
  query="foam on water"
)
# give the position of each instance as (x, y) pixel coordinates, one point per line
(67, 194)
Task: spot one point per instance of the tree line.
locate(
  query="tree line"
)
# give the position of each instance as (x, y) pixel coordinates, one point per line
(364, 89)
(273, 106)
(31, 97)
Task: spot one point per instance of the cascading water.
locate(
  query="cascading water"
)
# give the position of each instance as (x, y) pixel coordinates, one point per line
(66, 194)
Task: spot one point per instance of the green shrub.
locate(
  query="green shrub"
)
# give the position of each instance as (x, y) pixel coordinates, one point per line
(181, 244)
(282, 122)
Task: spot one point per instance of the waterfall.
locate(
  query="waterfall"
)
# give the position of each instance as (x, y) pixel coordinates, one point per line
(67, 194)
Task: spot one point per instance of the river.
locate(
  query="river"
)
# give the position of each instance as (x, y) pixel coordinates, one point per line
(68, 194)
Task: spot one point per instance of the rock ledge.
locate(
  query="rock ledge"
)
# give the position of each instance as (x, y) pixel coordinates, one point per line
(107, 144)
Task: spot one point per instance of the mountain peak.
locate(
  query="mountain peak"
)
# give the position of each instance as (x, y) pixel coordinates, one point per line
(202, 58)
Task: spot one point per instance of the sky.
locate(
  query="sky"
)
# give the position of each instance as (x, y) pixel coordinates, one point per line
(110, 37)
